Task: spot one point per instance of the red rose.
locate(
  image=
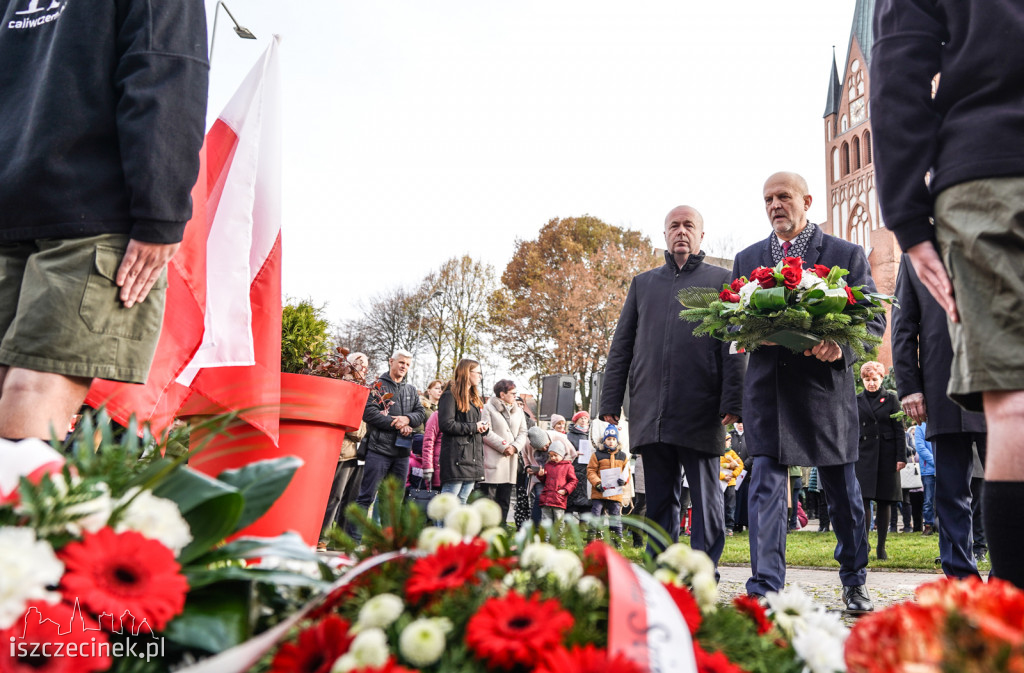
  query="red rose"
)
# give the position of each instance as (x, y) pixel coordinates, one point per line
(850, 299)
(737, 284)
(793, 261)
(726, 295)
(791, 275)
(764, 276)
(822, 271)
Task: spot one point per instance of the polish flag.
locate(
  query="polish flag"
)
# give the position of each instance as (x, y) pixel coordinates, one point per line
(221, 338)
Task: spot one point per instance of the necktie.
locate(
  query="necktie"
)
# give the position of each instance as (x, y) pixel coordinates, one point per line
(786, 245)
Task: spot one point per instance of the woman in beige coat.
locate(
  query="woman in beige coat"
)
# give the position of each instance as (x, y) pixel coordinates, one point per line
(503, 445)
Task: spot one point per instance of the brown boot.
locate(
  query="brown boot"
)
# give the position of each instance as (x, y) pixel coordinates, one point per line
(928, 529)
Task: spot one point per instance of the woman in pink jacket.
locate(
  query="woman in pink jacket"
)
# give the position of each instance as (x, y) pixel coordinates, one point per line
(431, 456)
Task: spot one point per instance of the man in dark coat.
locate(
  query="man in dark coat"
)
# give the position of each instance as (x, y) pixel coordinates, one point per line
(922, 355)
(683, 389)
(801, 409)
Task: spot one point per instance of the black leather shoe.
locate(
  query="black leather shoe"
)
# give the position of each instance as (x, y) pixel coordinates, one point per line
(762, 601)
(857, 601)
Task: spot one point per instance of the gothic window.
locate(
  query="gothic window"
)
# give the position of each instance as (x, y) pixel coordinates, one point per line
(856, 153)
(844, 124)
(860, 225)
(846, 159)
(835, 164)
(867, 147)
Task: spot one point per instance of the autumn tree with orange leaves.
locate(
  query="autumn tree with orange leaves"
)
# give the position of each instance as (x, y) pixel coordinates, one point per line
(561, 294)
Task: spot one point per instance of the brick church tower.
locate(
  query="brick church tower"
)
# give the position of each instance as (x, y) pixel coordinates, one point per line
(853, 212)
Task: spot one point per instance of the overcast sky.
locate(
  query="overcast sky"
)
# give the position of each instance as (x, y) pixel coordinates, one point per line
(415, 131)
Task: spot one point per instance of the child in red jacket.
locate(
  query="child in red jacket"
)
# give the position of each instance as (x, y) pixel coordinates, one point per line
(559, 479)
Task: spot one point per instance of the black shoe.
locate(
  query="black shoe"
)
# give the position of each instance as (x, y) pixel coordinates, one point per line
(761, 600)
(857, 601)
(881, 555)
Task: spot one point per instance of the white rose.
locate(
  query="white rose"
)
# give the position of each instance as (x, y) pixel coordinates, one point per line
(464, 520)
(536, 555)
(27, 567)
(490, 512)
(590, 587)
(156, 518)
(441, 504)
(423, 641)
(380, 611)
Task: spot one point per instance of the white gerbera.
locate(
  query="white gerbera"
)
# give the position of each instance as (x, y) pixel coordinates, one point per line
(489, 511)
(432, 538)
(590, 587)
(156, 518)
(464, 520)
(422, 642)
(790, 609)
(819, 650)
(27, 567)
(380, 611)
(536, 555)
(441, 504)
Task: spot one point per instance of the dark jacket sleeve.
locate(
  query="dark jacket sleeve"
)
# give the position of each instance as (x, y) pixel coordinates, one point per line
(907, 54)
(906, 332)
(860, 274)
(898, 431)
(734, 368)
(373, 416)
(416, 413)
(446, 418)
(620, 357)
(162, 75)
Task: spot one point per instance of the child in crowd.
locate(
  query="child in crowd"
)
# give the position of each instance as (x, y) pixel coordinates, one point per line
(608, 457)
(559, 479)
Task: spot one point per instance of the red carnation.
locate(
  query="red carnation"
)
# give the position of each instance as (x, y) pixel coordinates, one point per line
(687, 605)
(821, 270)
(713, 662)
(764, 276)
(516, 631)
(791, 275)
(726, 295)
(587, 659)
(45, 624)
(750, 606)
(850, 299)
(878, 642)
(793, 261)
(450, 567)
(316, 649)
(117, 573)
(738, 284)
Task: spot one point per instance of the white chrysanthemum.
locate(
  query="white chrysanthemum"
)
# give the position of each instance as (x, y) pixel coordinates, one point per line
(666, 576)
(489, 511)
(789, 608)
(536, 555)
(370, 648)
(380, 612)
(514, 578)
(686, 561)
(27, 567)
(93, 514)
(564, 566)
(705, 590)
(441, 504)
(808, 280)
(827, 622)
(590, 587)
(156, 518)
(422, 642)
(746, 291)
(820, 652)
(496, 537)
(464, 520)
(431, 538)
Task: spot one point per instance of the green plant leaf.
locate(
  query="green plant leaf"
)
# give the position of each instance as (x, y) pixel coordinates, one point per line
(287, 545)
(771, 298)
(211, 507)
(833, 301)
(261, 483)
(214, 619)
(203, 577)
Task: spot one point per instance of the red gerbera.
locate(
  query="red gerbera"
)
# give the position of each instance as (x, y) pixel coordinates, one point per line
(449, 567)
(83, 646)
(751, 607)
(687, 605)
(390, 667)
(316, 650)
(587, 659)
(713, 662)
(514, 630)
(118, 573)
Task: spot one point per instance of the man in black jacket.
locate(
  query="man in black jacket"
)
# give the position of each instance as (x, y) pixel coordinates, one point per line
(683, 389)
(921, 355)
(956, 158)
(102, 111)
(389, 427)
(801, 408)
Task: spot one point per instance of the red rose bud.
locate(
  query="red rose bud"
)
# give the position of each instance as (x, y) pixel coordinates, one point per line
(726, 295)
(791, 275)
(821, 270)
(850, 299)
(737, 284)
(793, 261)
(764, 276)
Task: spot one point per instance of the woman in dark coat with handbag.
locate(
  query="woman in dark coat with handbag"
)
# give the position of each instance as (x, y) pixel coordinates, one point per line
(462, 444)
(883, 449)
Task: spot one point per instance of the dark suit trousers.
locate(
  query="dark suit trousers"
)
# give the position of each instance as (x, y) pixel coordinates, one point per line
(954, 462)
(768, 523)
(663, 466)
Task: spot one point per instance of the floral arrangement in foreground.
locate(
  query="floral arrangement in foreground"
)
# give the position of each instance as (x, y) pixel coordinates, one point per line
(788, 305)
(470, 597)
(967, 625)
(112, 555)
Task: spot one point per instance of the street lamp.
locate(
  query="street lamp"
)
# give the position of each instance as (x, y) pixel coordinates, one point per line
(241, 31)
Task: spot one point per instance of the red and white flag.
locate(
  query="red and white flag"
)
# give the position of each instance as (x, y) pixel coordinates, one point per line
(221, 337)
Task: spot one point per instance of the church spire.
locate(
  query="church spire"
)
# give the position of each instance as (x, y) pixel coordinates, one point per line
(835, 89)
(863, 28)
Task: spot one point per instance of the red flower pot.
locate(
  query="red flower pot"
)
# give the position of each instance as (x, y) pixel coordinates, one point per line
(315, 414)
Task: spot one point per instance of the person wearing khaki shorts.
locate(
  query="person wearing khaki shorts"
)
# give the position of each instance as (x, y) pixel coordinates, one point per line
(99, 150)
